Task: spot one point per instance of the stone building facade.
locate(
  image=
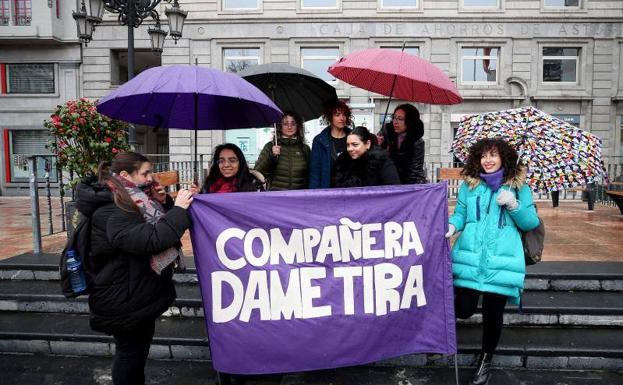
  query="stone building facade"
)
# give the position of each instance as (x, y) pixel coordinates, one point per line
(561, 56)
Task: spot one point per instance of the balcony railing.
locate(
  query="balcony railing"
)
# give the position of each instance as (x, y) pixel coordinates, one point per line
(23, 20)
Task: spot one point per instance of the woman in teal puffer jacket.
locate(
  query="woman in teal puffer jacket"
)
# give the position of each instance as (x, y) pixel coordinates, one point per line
(493, 205)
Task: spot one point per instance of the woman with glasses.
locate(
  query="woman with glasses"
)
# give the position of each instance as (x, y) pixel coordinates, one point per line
(229, 172)
(329, 144)
(403, 139)
(285, 163)
(364, 163)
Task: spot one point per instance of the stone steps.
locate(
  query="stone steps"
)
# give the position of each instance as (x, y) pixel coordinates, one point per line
(183, 338)
(571, 318)
(582, 308)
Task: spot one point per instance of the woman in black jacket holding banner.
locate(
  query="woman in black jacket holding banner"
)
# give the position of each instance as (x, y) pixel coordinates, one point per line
(135, 242)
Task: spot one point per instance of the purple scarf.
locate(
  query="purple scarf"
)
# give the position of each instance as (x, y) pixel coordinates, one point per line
(494, 180)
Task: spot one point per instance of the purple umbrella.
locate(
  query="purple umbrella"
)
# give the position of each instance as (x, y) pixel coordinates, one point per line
(190, 97)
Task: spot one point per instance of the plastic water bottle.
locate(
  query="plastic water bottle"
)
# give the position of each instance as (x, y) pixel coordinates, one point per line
(76, 274)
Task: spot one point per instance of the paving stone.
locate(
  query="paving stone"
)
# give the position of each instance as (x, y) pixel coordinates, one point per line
(47, 275)
(159, 352)
(9, 305)
(185, 278)
(508, 361)
(409, 360)
(536, 284)
(17, 274)
(25, 346)
(612, 285)
(547, 362)
(54, 307)
(530, 319)
(573, 284)
(591, 320)
(595, 363)
(80, 348)
(180, 352)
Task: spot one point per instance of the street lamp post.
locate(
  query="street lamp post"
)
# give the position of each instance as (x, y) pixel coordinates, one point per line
(131, 13)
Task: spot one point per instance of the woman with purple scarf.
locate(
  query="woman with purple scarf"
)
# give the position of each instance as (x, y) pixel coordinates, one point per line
(135, 243)
(494, 204)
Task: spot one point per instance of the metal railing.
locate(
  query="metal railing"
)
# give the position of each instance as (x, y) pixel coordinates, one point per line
(186, 173)
(162, 162)
(614, 170)
(34, 182)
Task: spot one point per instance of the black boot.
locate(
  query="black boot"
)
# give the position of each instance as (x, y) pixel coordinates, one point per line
(483, 370)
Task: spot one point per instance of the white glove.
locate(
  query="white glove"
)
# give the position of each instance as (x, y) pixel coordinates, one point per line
(451, 230)
(507, 198)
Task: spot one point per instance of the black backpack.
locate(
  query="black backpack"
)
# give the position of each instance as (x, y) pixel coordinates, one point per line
(80, 241)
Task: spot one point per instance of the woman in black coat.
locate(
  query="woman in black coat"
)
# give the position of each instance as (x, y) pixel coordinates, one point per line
(403, 139)
(135, 241)
(364, 163)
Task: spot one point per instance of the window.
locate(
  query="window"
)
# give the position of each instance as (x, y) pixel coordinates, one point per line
(399, 3)
(572, 119)
(143, 59)
(23, 12)
(318, 60)
(4, 12)
(240, 4)
(415, 51)
(621, 139)
(318, 4)
(560, 64)
(480, 3)
(479, 64)
(237, 59)
(561, 3)
(30, 78)
(24, 143)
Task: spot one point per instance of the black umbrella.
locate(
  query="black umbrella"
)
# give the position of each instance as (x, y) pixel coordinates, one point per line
(291, 88)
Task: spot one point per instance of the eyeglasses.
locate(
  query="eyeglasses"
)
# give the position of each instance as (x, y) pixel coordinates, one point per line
(398, 118)
(232, 161)
(289, 124)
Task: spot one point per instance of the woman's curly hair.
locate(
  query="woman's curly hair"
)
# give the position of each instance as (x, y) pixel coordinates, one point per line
(508, 155)
(337, 105)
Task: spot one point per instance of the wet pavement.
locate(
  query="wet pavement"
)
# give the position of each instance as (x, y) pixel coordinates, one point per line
(572, 232)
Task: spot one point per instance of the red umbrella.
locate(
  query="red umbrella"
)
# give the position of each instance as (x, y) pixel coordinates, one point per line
(396, 74)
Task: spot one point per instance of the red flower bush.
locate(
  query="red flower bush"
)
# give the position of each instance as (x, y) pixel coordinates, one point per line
(83, 137)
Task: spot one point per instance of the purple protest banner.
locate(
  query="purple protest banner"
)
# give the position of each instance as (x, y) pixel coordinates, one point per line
(315, 279)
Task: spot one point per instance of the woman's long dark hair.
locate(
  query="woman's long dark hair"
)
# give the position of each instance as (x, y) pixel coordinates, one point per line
(129, 162)
(508, 155)
(415, 126)
(300, 128)
(243, 176)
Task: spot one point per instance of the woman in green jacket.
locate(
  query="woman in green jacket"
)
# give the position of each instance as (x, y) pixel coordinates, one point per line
(494, 204)
(285, 164)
